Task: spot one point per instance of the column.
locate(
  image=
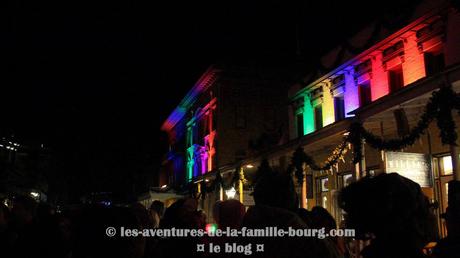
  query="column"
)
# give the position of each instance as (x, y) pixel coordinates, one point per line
(240, 184)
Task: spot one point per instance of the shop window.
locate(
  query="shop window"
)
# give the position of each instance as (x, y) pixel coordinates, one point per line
(446, 165)
(324, 184)
(395, 78)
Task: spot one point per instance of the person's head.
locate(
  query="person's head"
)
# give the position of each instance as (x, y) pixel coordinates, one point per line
(390, 207)
(91, 239)
(276, 190)
(158, 207)
(180, 214)
(216, 211)
(45, 211)
(24, 209)
(452, 215)
(142, 215)
(231, 214)
(305, 215)
(321, 218)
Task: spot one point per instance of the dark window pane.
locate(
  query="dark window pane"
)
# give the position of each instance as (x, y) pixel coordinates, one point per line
(299, 125)
(339, 108)
(364, 94)
(395, 79)
(318, 117)
(434, 63)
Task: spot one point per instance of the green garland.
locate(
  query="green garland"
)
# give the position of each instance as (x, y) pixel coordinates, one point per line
(439, 107)
(300, 157)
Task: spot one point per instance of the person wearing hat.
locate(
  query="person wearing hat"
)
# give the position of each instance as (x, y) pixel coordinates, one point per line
(450, 246)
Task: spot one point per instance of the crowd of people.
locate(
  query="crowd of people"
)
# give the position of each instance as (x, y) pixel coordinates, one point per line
(388, 211)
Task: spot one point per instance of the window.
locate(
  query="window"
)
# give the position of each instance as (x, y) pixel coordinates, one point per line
(364, 91)
(189, 137)
(395, 78)
(347, 179)
(446, 165)
(324, 184)
(195, 134)
(434, 61)
(299, 124)
(339, 108)
(318, 117)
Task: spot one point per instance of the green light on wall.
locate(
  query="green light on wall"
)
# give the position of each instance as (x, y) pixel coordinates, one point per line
(190, 165)
(308, 116)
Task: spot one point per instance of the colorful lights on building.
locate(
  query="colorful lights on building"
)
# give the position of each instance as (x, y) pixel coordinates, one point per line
(396, 62)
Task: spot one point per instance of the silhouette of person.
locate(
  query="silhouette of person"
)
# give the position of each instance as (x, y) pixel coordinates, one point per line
(393, 212)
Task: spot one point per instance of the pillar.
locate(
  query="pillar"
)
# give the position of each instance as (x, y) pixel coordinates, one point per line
(240, 184)
(303, 190)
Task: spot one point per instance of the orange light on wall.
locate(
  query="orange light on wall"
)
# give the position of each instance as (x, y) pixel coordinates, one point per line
(414, 63)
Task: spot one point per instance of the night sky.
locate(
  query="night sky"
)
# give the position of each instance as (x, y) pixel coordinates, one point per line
(94, 80)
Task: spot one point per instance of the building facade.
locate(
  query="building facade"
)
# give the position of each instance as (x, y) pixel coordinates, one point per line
(230, 114)
(382, 78)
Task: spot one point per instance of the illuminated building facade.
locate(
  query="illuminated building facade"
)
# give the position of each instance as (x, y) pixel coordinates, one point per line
(383, 78)
(385, 88)
(213, 126)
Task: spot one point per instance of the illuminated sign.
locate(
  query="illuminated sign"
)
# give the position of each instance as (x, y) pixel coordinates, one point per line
(415, 166)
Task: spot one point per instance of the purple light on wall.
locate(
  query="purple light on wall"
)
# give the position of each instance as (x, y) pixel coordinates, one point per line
(350, 96)
(204, 163)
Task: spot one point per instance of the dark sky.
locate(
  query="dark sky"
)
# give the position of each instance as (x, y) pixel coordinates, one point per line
(94, 79)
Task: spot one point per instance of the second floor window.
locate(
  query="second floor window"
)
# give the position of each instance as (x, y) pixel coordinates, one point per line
(318, 117)
(299, 124)
(434, 61)
(339, 108)
(395, 78)
(364, 91)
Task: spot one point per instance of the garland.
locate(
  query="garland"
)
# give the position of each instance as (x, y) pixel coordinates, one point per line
(439, 107)
(300, 157)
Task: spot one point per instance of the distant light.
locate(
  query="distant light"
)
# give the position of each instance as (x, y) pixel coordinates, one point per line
(249, 166)
(34, 194)
(346, 133)
(211, 228)
(206, 180)
(164, 186)
(5, 202)
(230, 193)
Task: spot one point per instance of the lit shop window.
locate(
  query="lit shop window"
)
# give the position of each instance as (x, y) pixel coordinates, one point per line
(446, 163)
